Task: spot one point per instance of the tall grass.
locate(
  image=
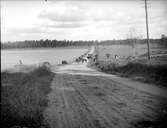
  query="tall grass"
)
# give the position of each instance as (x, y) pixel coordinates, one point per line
(156, 74)
(23, 98)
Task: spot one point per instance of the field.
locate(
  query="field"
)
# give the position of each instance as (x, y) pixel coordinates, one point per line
(126, 61)
(127, 53)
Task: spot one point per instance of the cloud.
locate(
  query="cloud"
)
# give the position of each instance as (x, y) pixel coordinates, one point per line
(63, 15)
(63, 12)
(66, 17)
(83, 20)
(66, 25)
(31, 30)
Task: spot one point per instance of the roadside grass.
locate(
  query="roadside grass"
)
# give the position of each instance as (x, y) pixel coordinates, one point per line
(159, 122)
(23, 97)
(156, 74)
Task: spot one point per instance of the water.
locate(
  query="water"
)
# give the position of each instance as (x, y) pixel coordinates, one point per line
(10, 58)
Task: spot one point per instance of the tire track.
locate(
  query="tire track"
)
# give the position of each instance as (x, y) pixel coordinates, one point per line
(94, 102)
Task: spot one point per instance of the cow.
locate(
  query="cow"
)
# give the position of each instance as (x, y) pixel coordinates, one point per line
(20, 62)
(64, 62)
(116, 56)
(84, 60)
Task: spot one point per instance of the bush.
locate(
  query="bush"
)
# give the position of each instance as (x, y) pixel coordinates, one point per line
(41, 71)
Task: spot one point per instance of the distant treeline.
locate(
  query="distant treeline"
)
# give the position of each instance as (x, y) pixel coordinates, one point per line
(67, 43)
(162, 41)
(44, 43)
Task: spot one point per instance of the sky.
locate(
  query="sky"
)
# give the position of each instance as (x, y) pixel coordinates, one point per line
(81, 20)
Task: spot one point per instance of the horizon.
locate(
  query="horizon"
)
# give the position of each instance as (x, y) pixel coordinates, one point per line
(81, 40)
(76, 20)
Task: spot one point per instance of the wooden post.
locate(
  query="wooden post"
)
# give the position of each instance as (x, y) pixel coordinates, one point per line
(147, 29)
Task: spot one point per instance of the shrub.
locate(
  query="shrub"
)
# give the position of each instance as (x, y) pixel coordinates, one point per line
(41, 71)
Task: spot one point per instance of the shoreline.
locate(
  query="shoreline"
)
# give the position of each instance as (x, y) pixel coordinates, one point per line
(41, 48)
(24, 68)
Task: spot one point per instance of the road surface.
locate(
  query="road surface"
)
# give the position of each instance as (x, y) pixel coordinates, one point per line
(82, 97)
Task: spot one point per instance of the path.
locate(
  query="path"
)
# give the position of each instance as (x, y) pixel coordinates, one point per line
(85, 98)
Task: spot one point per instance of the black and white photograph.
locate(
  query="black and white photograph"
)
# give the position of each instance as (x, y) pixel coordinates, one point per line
(83, 63)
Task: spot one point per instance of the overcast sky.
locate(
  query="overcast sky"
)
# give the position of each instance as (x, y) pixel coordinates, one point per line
(86, 20)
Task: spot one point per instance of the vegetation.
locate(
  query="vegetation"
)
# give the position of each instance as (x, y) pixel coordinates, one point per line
(67, 43)
(44, 43)
(23, 98)
(159, 122)
(162, 41)
(148, 73)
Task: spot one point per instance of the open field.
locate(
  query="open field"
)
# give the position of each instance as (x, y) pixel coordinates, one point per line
(23, 98)
(125, 54)
(138, 67)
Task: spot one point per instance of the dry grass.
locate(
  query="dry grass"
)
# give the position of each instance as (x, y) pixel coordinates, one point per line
(154, 71)
(23, 97)
(156, 74)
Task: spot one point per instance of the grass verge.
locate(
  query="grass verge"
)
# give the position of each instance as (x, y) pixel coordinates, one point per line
(159, 122)
(156, 74)
(23, 97)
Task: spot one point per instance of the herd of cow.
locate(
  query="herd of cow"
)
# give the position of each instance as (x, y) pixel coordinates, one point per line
(85, 58)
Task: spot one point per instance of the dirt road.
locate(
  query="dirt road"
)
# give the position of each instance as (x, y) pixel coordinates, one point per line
(84, 98)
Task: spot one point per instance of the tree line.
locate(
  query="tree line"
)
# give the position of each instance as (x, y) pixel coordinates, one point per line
(162, 41)
(67, 43)
(44, 43)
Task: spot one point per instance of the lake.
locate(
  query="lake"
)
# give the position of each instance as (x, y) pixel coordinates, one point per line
(11, 57)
